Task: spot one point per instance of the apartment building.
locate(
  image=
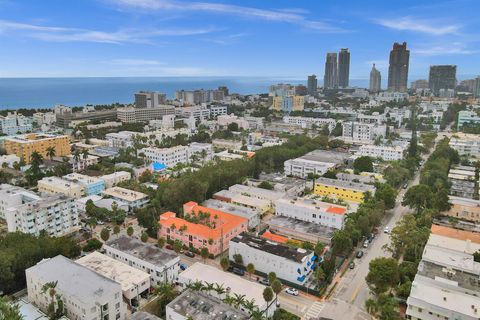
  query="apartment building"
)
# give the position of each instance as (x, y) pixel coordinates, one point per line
(134, 199)
(56, 185)
(291, 264)
(197, 112)
(253, 216)
(13, 196)
(168, 156)
(387, 153)
(216, 111)
(466, 144)
(446, 283)
(121, 140)
(201, 306)
(134, 282)
(115, 178)
(255, 123)
(323, 213)
(258, 193)
(85, 293)
(467, 117)
(227, 119)
(363, 132)
(136, 115)
(200, 151)
(162, 265)
(464, 209)
(348, 191)
(24, 145)
(301, 230)
(259, 205)
(211, 228)
(238, 285)
(14, 123)
(227, 144)
(90, 185)
(55, 215)
(308, 122)
(83, 162)
(316, 162)
(462, 181)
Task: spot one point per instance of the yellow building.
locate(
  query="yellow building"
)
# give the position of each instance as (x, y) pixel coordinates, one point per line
(298, 103)
(345, 190)
(24, 145)
(277, 103)
(464, 209)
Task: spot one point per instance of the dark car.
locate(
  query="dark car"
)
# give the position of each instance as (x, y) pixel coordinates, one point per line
(359, 254)
(351, 265)
(238, 271)
(169, 247)
(183, 266)
(190, 254)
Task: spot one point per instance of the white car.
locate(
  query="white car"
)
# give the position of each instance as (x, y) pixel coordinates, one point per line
(386, 230)
(292, 291)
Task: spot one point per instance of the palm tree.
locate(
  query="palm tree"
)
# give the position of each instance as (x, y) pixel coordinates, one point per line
(229, 300)
(36, 159)
(239, 299)
(268, 296)
(76, 159)
(219, 289)
(49, 288)
(272, 276)
(51, 152)
(9, 310)
(166, 292)
(225, 263)
(195, 286)
(276, 287)
(209, 287)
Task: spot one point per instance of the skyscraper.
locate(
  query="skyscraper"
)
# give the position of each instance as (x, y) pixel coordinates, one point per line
(312, 85)
(375, 80)
(398, 69)
(476, 87)
(442, 77)
(343, 68)
(330, 79)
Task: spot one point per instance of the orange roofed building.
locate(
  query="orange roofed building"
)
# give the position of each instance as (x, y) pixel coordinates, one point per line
(202, 227)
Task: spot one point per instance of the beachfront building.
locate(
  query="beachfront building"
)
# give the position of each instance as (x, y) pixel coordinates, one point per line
(160, 264)
(289, 263)
(202, 227)
(315, 211)
(85, 293)
(348, 191)
(24, 145)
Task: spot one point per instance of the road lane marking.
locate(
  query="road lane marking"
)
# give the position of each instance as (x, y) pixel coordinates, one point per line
(355, 293)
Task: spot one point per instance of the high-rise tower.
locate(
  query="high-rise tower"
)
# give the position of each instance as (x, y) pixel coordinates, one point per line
(398, 69)
(442, 77)
(312, 85)
(330, 79)
(375, 80)
(343, 68)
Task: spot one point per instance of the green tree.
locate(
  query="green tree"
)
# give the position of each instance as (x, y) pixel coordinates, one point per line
(130, 231)
(204, 254)
(161, 242)
(363, 164)
(276, 287)
(382, 275)
(418, 197)
(116, 229)
(265, 185)
(272, 276)
(268, 295)
(250, 269)
(51, 152)
(238, 259)
(341, 242)
(165, 292)
(225, 263)
(387, 194)
(144, 237)
(9, 311)
(177, 246)
(105, 234)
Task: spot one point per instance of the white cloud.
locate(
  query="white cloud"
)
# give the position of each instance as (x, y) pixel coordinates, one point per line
(134, 62)
(418, 25)
(293, 16)
(455, 48)
(62, 34)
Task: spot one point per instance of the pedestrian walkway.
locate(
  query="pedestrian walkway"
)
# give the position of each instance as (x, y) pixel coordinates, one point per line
(314, 311)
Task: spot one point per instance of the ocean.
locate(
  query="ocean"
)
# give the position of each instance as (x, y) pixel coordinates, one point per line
(48, 92)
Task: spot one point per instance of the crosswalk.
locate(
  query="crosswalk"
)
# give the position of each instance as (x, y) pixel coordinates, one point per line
(314, 311)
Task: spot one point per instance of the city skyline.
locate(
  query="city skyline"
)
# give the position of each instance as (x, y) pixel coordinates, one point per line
(179, 38)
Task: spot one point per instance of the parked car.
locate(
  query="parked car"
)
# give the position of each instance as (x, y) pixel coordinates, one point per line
(264, 282)
(359, 254)
(183, 266)
(100, 223)
(238, 271)
(351, 265)
(190, 254)
(169, 247)
(292, 291)
(405, 186)
(386, 230)
(366, 243)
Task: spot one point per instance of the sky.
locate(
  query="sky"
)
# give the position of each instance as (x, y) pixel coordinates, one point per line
(266, 38)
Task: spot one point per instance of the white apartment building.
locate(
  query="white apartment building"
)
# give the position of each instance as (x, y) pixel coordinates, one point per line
(9, 160)
(363, 132)
(56, 185)
(301, 168)
(291, 264)
(135, 115)
(200, 151)
(56, 215)
(255, 123)
(323, 213)
(134, 199)
(134, 282)
(167, 122)
(115, 178)
(82, 163)
(216, 111)
(227, 144)
(387, 153)
(168, 156)
(85, 293)
(14, 123)
(13, 196)
(198, 112)
(121, 140)
(307, 122)
(257, 193)
(162, 265)
(225, 120)
(238, 285)
(47, 118)
(466, 144)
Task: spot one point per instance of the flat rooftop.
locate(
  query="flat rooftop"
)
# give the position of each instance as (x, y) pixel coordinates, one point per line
(74, 279)
(200, 306)
(315, 204)
(59, 182)
(455, 233)
(230, 208)
(125, 194)
(275, 248)
(464, 201)
(345, 184)
(325, 156)
(81, 178)
(209, 274)
(143, 251)
(127, 276)
(301, 226)
(250, 190)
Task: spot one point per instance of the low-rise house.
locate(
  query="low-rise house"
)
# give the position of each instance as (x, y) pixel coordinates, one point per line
(85, 293)
(259, 205)
(291, 264)
(464, 209)
(160, 264)
(387, 153)
(301, 230)
(90, 185)
(134, 199)
(348, 191)
(253, 216)
(134, 282)
(258, 193)
(115, 178)
(56, 185)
